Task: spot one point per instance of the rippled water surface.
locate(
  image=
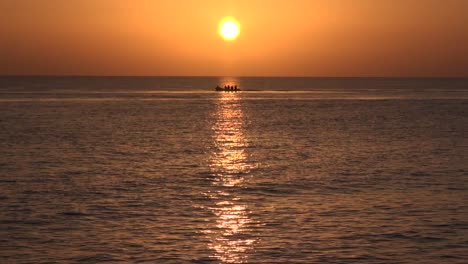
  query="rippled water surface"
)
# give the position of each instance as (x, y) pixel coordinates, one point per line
(164, 170)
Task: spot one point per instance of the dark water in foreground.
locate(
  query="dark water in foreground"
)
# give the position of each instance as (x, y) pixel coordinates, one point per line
(163, 170)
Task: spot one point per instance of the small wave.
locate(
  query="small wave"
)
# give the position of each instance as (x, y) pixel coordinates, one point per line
(97, 258)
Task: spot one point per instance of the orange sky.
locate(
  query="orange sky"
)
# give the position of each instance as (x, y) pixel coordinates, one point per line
(278, 38)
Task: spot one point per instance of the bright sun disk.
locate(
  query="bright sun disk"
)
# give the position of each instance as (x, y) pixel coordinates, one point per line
(229, 29)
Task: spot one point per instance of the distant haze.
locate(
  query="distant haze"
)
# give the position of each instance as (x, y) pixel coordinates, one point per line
(278, 38)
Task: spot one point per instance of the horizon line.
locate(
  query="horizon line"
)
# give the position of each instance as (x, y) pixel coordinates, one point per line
(231, 76)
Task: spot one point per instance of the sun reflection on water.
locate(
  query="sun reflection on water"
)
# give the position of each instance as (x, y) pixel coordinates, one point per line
(231, 237)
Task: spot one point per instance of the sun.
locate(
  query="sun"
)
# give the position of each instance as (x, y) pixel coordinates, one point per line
(229, 28)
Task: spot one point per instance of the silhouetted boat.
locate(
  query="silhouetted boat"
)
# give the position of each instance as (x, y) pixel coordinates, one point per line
(227, 89)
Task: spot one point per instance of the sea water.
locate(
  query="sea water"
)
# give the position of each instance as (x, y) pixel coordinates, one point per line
(288, 170)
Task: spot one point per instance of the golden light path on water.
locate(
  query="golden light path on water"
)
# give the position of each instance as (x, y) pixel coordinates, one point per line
(230, 238)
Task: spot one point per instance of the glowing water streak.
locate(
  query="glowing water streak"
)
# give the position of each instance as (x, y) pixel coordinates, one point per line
(230, 238)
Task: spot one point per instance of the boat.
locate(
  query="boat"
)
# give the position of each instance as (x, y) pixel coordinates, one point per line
(227, 89)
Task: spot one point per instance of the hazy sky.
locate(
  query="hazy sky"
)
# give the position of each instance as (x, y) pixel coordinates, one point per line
(278, 38)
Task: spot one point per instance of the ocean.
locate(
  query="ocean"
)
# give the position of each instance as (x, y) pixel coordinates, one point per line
(287, 170)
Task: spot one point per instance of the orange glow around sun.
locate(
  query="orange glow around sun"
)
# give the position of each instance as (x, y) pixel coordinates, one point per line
(229, 29)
